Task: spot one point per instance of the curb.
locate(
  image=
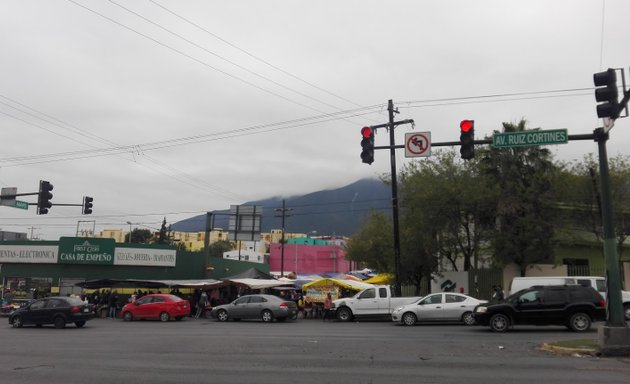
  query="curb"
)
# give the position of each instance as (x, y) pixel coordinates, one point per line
(577, 352)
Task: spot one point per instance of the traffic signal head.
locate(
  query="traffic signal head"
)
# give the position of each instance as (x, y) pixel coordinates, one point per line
(467, 139)
(367, 145)
(44, 196)
(87, 205)
(607, 94)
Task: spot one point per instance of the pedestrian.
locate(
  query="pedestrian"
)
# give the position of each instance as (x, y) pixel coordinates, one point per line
(327, 307)
(201, 304)
(497, 295)
(113, 302)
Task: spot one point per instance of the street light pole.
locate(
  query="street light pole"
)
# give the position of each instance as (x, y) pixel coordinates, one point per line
(129, 222)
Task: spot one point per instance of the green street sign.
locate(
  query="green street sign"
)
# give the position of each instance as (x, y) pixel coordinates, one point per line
(530, 138)
(20, 204)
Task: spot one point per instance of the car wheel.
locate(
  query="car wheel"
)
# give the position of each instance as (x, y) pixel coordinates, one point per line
(344, 314)
(127, 316)
(580, 322)
(222, 315)
(79, 324)
(17, 322)
(409, 318)
(164, 316)
(499, 323)
(626, 312)
(59, 322)
(468, 318)
(267, 316)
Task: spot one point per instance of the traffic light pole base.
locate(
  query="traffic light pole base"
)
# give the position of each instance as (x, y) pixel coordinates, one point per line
(614, 341)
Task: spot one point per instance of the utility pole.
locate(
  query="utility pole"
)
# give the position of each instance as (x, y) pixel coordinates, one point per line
(32, 229)
(283, 212)
(392, 155)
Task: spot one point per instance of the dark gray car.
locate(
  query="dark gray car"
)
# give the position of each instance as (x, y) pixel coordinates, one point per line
(263, 307)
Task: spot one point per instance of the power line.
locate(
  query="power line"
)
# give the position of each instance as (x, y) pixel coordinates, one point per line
(251, 55)
(195, 59)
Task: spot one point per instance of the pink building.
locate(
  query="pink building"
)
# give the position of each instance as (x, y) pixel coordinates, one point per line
(309, 259)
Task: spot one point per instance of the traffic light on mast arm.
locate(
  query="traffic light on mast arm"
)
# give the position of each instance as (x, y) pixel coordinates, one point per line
(87, 205)
(367, 145)
(607, 94)
(467, 139)
(43, 198)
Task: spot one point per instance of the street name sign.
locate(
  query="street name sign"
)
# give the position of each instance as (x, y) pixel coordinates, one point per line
(20, 204)
(530, 138)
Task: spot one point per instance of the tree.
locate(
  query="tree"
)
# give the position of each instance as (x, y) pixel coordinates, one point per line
(373, 243)
(446, 209)
(141, 236)
(525, 218)
(581, 202)
(217, 248)
(163, 236)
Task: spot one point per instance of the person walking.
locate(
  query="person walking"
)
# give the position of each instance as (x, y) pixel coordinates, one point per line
(113, 303)
(327, 307)
(201, 304)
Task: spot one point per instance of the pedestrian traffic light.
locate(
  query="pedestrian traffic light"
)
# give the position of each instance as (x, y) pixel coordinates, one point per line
(87, 205)
(607, 94)
(467, 139)
(367, 145)
(43, 198)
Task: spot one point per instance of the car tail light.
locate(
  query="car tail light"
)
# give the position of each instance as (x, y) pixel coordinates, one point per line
(283, 305)
(75, 309)
(602, 303)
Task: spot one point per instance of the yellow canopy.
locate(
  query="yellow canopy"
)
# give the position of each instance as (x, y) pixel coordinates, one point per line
(383, 278)
(350, 284)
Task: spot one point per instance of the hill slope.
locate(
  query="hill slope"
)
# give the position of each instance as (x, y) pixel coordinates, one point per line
(337, 211)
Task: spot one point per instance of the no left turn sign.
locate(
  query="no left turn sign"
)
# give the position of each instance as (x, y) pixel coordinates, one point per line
(418, 144)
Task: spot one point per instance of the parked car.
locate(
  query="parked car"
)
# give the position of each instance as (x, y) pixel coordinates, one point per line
(574, 306)
(597, 282)
(438, 307)
(264, 307)
(156, 306)
(374, 302)
(56, 310)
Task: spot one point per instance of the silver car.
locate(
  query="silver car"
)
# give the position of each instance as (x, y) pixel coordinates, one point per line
(438, 307)
(263, 307)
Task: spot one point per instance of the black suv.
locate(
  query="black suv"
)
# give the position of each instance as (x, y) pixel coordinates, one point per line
(53, 310)
(574, 306)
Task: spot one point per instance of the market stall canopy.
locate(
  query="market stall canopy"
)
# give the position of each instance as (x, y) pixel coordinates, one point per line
(132, 283)
(383, 278)
(349, 284)
(259, 283)
(251, 273)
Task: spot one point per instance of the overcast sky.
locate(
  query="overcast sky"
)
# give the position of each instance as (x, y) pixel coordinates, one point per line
(164, 108)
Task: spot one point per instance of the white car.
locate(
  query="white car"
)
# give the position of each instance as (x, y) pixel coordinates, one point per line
(436, 307)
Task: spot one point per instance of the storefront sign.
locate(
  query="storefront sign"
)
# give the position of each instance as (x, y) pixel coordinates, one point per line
(28, 254)
(145, 256)
(317, 294)
(77, 250)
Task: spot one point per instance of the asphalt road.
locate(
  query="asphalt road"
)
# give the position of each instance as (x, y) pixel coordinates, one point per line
(302, 352)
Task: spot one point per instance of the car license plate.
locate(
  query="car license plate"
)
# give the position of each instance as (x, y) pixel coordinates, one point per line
(86, 309)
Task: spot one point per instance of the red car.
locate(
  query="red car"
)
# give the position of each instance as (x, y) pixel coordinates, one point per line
(158, 306)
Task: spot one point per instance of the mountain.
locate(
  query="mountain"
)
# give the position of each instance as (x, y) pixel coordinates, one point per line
(331, 212)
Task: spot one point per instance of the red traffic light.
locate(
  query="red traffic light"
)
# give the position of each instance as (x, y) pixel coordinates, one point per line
(467, 125)
(366, 132)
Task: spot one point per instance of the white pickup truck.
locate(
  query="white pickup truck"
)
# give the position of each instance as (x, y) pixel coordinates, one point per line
(374, 302)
